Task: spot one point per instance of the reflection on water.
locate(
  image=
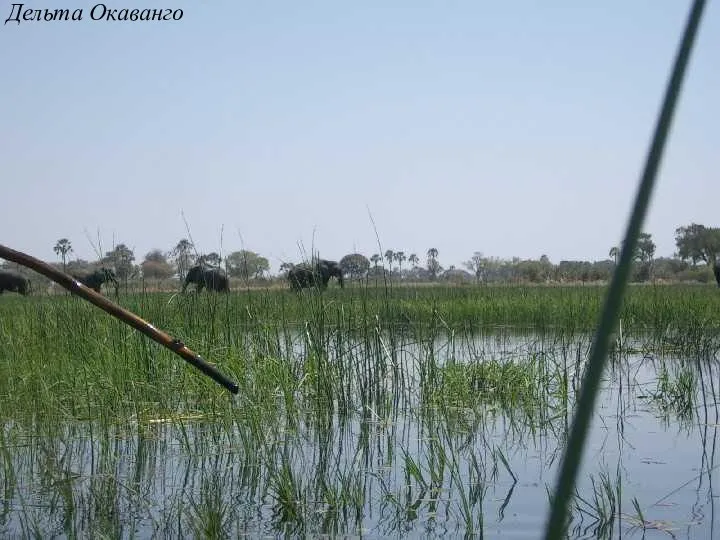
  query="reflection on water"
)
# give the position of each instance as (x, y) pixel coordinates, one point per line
(389, 468)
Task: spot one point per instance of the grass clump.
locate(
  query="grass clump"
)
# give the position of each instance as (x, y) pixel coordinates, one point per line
(505, 384)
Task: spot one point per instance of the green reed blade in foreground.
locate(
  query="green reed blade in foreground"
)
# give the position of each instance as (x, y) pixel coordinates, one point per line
(596, 363)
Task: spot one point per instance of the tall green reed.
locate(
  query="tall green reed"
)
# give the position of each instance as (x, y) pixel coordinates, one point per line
(557, 521)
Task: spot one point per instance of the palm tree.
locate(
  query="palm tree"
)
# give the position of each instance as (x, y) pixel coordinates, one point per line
(399, 256)
(389, 254)
(433, 265)
(413, 259)
(62, 248)
(376, 258)
(614, 253)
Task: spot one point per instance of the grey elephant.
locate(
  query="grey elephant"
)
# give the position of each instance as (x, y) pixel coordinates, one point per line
(10, 281)
(97, 278)
(207, 276)
(304, 275)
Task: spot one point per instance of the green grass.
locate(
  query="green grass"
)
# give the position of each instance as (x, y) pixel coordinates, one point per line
(339, 373)
(75, 361)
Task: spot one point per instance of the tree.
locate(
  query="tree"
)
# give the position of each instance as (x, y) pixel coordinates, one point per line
(645, 249)
(546, 267)
(668, 267)
(433, 265)
(376, 258)
(413, 259)
(62, 248)
(389, 255)
(213, 259)
(434, 268)
(183, 255)
(644, 253)
(399, 256)
(530, 270)
(78, 266)
(246, 264)
(475, 265)
(456, 275)
(156, 255)
(698, 243)
(355, 265)
(121, 258)
(156, 266)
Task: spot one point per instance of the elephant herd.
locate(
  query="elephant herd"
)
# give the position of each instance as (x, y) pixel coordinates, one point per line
(10, 281)
(300, 276)
(203, 276)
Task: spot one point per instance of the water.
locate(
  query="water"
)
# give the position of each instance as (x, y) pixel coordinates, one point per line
(387, 470)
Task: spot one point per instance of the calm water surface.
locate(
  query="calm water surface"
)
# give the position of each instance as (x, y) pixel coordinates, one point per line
(387, 471)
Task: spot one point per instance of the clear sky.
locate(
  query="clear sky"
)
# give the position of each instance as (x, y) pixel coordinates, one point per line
(511, 128)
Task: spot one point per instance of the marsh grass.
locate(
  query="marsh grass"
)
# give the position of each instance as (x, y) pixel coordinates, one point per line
(407, 405)
(600, 508)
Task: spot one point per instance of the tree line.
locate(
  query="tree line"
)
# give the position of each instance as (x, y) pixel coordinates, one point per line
(697, 249)
(160, 265)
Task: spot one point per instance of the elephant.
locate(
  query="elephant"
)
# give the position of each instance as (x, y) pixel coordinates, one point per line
(303, 275)
(10, 281)
(211, 277)
(95, 279)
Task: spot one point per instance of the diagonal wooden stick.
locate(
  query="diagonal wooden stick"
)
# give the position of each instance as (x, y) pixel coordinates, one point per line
(74, 286)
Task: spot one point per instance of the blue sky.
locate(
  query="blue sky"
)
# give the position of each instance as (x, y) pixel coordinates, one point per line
(510, 128)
